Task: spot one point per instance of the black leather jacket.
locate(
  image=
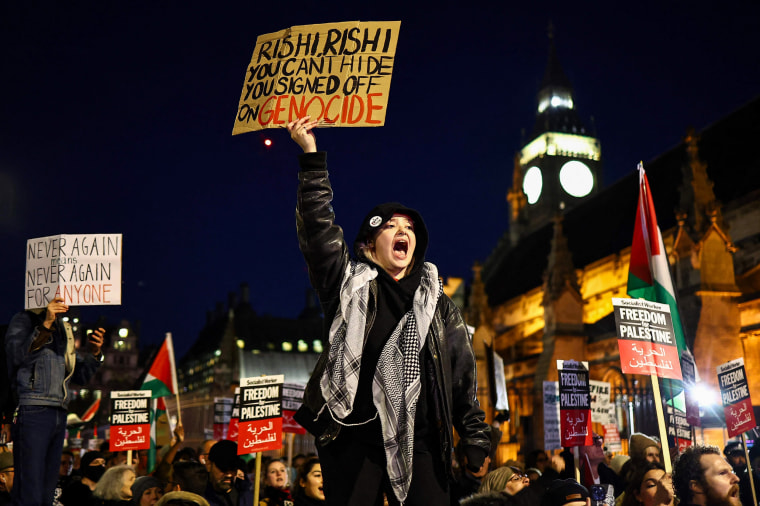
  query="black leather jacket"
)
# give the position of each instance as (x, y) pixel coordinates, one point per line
(449, 355)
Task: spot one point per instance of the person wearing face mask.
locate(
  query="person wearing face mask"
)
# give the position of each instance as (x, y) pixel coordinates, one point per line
(399, 374)
(92, 467)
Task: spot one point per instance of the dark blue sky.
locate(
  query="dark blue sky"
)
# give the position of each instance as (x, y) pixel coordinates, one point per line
(116, 118)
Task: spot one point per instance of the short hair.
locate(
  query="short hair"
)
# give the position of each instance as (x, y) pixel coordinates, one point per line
(688, 467)
(191, 476)
(186, 453)
(111, 483)
(67, 452)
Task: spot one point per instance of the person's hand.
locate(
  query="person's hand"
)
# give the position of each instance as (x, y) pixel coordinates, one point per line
(558, 463)
(301, 132)
(96, 341)
(54, 308)
(179, 433)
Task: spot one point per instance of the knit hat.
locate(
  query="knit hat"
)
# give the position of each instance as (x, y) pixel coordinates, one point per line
(6, 460)
(638, 444)
(89, 457)
(617, 462)
(561, 492)
(381, 214)
(142, 484)
(224, 455)
(496, 480)
(182, 497)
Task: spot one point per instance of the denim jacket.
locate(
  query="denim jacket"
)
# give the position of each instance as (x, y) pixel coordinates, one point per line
(39, 377)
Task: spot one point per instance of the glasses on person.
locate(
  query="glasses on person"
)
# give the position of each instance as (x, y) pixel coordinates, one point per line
(517, 474)
(598, 440)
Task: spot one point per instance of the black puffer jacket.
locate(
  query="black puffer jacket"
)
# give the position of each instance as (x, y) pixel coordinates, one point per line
(449, 349)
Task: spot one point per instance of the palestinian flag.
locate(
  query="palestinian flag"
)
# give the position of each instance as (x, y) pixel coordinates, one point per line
(649, 278)
(91, 411)
(162, 375)
(162, 381)
(649, 271)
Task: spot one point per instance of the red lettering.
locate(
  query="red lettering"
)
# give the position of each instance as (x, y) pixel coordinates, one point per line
(299, 113)
(358, 117)
(327, 110)
(106, 293)
(371, 108)
(278, 109)
(265, 112)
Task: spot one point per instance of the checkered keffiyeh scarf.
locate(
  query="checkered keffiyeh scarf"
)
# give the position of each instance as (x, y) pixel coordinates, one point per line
(396, 385)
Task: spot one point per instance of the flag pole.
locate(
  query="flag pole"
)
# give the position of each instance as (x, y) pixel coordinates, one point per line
(661, 423)
(170, 345)
(749, 467)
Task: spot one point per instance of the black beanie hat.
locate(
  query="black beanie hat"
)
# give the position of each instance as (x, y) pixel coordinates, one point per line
(380, 215)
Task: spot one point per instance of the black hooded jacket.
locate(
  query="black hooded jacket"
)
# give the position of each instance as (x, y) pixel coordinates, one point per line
(449, 361)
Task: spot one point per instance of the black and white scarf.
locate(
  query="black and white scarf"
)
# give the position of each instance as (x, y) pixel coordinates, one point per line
(396, 385)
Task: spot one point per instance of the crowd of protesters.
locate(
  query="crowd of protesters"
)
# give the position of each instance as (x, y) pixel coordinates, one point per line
(213, 474)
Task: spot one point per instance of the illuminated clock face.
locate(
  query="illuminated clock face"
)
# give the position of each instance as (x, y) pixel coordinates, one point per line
(532, 184)
(576, 178)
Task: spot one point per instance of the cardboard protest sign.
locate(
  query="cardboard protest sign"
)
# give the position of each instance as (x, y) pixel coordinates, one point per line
(552, 440)
(646, 339)
(85, 270)
(292, 398)
(734, 391)
(338, 73)
(679, 430)
(260, 426)
(222, 415)
(574, 403)
(130, 420)
(600, 402)
(232, 430)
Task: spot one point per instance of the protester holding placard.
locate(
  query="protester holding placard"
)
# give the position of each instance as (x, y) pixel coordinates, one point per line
(399, 373)
(42, 361)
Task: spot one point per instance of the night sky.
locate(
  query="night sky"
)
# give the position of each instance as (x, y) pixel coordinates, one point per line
(116, 117)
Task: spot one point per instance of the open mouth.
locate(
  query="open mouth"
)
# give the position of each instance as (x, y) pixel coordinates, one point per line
(401, 247)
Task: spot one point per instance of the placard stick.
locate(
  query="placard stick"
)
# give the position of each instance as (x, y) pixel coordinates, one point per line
(291, 437)
(257, 479)
(749, 468)
(129, 457)
(577, 459)
(661, 423)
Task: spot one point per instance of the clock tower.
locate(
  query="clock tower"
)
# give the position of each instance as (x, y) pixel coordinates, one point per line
(560, 166)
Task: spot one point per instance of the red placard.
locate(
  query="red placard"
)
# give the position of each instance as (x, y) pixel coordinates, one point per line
(292, 398)
(574, 403)
(260, 425)
(737, 404)
(130, 420)
(646, 338)
(232, 430)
